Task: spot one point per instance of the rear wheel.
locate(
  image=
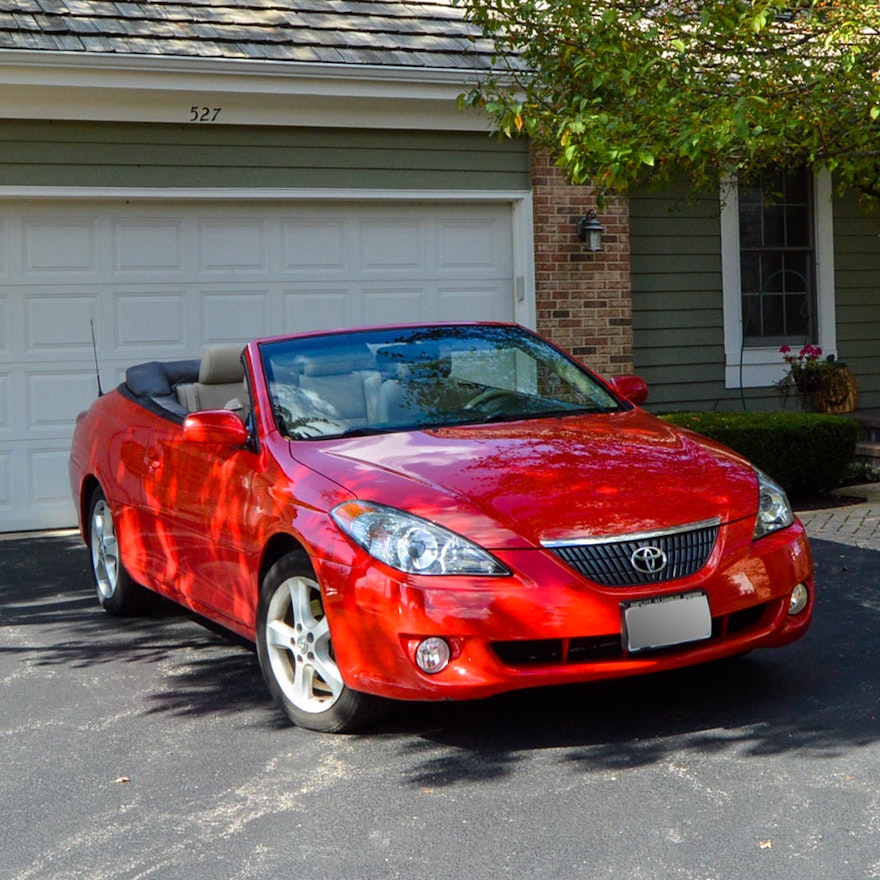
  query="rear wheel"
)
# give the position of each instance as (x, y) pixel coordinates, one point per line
(117, 592)
(296, 653)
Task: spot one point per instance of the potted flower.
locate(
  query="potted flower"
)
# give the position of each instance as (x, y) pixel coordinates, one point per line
(823, 384)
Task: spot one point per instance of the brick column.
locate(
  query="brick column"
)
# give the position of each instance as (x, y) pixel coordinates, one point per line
(584, 299)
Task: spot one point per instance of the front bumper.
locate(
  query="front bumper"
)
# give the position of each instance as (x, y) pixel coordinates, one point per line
(546, 624)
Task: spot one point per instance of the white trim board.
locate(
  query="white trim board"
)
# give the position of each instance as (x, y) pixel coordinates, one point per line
(71, 86)
(761, 367)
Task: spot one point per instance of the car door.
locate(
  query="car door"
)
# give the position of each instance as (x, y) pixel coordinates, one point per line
(204, 538)
(125, 471)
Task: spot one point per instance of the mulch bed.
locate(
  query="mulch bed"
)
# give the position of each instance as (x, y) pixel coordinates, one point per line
(826, 502)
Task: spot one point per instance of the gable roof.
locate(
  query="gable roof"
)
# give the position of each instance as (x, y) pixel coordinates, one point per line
(429, 34)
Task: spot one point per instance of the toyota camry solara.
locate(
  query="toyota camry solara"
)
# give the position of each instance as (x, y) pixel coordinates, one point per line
(430, 512)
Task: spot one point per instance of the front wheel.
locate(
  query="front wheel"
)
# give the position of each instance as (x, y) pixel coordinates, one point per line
(118, 594)
(296, 653)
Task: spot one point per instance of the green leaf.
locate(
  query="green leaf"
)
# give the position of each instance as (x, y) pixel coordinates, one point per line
(739, 85)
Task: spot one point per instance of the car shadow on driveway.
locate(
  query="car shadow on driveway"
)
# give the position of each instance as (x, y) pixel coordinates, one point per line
(50, 617)
(817, 696)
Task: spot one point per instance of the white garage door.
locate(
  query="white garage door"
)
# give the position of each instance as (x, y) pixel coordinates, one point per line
(160, 280)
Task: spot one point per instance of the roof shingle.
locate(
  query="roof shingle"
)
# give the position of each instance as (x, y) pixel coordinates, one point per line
(411, 33)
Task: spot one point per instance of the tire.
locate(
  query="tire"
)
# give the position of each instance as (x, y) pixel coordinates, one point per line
(296, 653)
(118, 594)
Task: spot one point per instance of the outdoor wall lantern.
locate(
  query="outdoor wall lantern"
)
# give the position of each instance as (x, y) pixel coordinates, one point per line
(590, 231)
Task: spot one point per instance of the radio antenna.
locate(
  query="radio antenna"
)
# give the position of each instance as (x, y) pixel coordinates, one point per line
(95, 352)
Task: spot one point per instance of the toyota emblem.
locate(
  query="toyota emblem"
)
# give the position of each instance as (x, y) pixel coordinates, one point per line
(648, 560)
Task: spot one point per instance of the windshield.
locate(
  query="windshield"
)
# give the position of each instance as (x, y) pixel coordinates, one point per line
(376, 381)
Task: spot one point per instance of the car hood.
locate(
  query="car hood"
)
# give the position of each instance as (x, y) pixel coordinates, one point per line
(523, 483)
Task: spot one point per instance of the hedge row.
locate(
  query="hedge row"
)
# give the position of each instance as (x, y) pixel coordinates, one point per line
(806, 453)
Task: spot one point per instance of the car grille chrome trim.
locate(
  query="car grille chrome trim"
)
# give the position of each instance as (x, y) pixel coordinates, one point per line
(642, 558)
(633, 536)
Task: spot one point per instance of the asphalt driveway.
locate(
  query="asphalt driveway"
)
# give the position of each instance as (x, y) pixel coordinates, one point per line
(148, 749)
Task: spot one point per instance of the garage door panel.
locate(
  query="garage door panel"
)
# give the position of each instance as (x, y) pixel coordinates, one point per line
(392, 248)
(148, 246)
(51, 247)
(471, 248)
(149, 320)
(161, 280)
(48, 488)
(55, 399)
(58, 321)
(236, 245)
(5, 405)
(229, 316)
(473, 303)
(5, 324)
(6, 488)
(317, 309)
(34, 490)
(316, 247)
(406, 304)
(4, 249)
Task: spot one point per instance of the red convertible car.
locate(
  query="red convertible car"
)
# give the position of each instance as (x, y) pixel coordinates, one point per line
(430, 512)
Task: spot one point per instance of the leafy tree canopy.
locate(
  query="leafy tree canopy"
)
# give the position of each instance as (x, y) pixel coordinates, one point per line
(629, 94)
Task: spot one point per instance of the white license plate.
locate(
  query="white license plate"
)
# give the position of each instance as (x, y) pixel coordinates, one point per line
(665, 621)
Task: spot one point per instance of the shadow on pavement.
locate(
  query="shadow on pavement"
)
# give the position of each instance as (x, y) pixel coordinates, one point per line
(50, 617)
(817, 697)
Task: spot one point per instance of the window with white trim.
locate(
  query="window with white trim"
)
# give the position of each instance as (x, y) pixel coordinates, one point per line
(777, 263)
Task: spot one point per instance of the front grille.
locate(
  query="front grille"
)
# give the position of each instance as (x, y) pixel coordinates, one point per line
(553, 652)
(637, 560)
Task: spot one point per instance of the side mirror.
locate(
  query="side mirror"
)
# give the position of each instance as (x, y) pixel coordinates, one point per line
(217, 426)
(631, 388)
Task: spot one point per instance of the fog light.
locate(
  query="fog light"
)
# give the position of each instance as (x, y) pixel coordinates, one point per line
(800, 595)
(432, 655)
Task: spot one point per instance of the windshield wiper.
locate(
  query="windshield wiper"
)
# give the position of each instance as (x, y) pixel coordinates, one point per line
(363, 431)
(524, 415)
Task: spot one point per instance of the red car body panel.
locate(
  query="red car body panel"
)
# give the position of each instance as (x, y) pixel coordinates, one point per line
(197, 519)
(532, 481)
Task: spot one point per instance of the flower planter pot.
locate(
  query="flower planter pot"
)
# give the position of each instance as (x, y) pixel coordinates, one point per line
(838, 392)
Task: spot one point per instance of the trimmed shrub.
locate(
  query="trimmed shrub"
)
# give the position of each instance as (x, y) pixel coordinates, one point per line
(806, 453)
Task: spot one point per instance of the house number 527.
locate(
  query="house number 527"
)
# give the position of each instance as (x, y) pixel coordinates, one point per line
(204, 114)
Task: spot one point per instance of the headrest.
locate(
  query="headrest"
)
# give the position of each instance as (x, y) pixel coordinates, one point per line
(157, 379)
(221, 365)
(339, 363)
(418, 357)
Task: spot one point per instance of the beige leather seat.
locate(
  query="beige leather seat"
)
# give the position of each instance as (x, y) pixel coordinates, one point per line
(221, 381)
(344, 385)
(419, 389)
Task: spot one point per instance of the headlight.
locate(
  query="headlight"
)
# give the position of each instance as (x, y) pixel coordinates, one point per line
(410, 543)
(774, 511)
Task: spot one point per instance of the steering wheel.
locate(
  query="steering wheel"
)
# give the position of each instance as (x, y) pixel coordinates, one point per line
(488, 394)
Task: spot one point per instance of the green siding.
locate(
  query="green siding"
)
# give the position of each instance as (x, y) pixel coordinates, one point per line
(677, 301)
(145, 155)
(678, 326)
(857, 282)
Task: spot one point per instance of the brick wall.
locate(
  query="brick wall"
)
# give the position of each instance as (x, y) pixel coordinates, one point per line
(584, 299)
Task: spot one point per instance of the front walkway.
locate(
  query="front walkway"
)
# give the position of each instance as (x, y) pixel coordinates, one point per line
(857, 524)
